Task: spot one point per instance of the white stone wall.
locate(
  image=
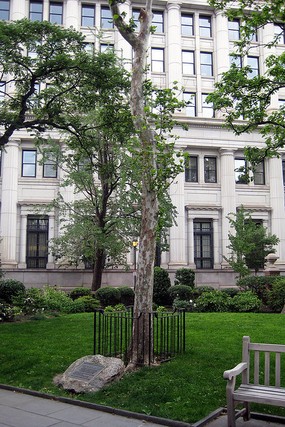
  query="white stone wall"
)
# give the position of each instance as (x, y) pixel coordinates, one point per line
(205, 137)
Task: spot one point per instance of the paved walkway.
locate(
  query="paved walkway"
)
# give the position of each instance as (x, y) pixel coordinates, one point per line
(29, 410)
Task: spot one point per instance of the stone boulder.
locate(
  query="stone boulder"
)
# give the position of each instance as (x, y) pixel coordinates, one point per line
(90, 373)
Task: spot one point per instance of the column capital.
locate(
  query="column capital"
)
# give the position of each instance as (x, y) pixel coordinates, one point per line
(227, 151)
(173, 4)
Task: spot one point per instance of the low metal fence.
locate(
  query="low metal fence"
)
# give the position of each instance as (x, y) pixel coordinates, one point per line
(113, 333)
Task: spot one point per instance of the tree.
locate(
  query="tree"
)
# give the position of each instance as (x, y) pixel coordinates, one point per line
(238, 94)
(33, 54)
(249, 244)
(156, 163)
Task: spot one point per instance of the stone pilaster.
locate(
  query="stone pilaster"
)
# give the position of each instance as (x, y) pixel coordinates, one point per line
(174, 42)
(72, 14)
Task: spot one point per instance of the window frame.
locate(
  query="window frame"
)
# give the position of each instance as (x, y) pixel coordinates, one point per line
(191, 109)
(206, 65)
(35, 232)
(203, 262)
(108, 20)
(34, 2)
(207, 107)
(205, 27)
(185, 27)
(5, 11)
(191, 169)
(210, 173)
(188, 63)
(239, 179)
(259, 174)
(56, 14)
(157, 61)
(49, 163)
(87, 6)
(27, 163)
(255, 70)
(234, 31)
(157, 23)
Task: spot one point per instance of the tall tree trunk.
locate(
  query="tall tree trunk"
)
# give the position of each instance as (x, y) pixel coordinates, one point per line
(142, 341)
(98, 269)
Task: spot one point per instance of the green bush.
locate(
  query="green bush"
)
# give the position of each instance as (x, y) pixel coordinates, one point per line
(276, 299)
(56, 300)
(9, 288)
(31, 301)
(179, 304)
(90, 303)
(108, 296)
(260, 285)
(231, 292)
(161, 284)
(246, 301)
(77, 306)
(185, 276)
(79, 292)
(196, 292)
(181, 292)
(213, 301)
(127, 295)
(8, 312)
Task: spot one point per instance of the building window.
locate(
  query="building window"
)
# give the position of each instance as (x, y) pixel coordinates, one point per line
(106, 18)
(236, 60)
(205, 26)
(241, 171)
(253, 63)
(191, 169)
(234, 30)
(188, 62)
(36, 10)
(135, 17)
(157, 60)
(5, 10)
(190, 99)
(157, 21)
(279, 33)
(56, 13)
(206, 59)
(29, 163)
(106, 47)
(88, 15)
(89, 48)
(259, 174)
(203, 244)
(210, 169)
(49, 167)
(37, 241)
(254, 37)
(207, 107)
(187, 24)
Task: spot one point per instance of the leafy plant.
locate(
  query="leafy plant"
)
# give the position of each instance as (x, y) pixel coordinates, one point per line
(260, 285)
(79, 292)
(180, 304)
(127, 295)
(161, 285)
(276, 299)
(90, 303)
(213, 301)
(181, 292)
(185, 276)
(8, 312)
(245, 301)
(9, 288)
(108, 296)
(200, 290)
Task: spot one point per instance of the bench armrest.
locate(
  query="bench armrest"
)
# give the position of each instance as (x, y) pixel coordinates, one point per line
(228, 375)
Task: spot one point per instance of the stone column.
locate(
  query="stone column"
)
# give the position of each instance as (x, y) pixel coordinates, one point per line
(18, 10)
(174, 42)
(72, 14)
(216, 243)
(177, 236)
(51, 235)
(23, 239)
(9, 204)
(275, 179)
(222, 44)
(228, 198)
(190, 241)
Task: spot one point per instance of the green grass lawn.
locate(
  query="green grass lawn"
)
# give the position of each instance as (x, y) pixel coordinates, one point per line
(186, 388)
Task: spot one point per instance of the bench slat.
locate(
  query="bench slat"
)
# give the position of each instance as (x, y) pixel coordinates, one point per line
(276, 348)
(277, 370)
(260, 394)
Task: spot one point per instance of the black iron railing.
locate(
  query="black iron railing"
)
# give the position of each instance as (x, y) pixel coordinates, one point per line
(113, 333)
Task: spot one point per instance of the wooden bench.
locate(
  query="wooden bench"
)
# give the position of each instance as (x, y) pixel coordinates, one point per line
(260, 379)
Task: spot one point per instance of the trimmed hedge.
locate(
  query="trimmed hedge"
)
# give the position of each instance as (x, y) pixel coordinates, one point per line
(161, 285)
(108, 296)
(185, 276)
(9, 289)
(181, 292)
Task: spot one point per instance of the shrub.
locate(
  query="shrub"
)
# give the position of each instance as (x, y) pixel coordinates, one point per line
(260, 285)
(161, 309)
(31, 301)
(161, 284)
(213, 301)
(9, 288)
(79, 292)
(127, 295)
(108, 296)
(180, 304)
(185, 276)
(8, 312)
(181, 292)
(231, 292)
(77, 306)
(56, 300)
(245, 301)
(196, 292)
(90, 303)
(276, 300)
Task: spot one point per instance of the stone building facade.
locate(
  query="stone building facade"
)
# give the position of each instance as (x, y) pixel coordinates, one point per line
(191, 45)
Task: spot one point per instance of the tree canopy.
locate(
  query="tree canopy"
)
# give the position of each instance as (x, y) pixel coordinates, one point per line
(249, 103)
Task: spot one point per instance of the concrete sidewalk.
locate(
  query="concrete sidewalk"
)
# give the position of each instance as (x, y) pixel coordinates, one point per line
(28, 409)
